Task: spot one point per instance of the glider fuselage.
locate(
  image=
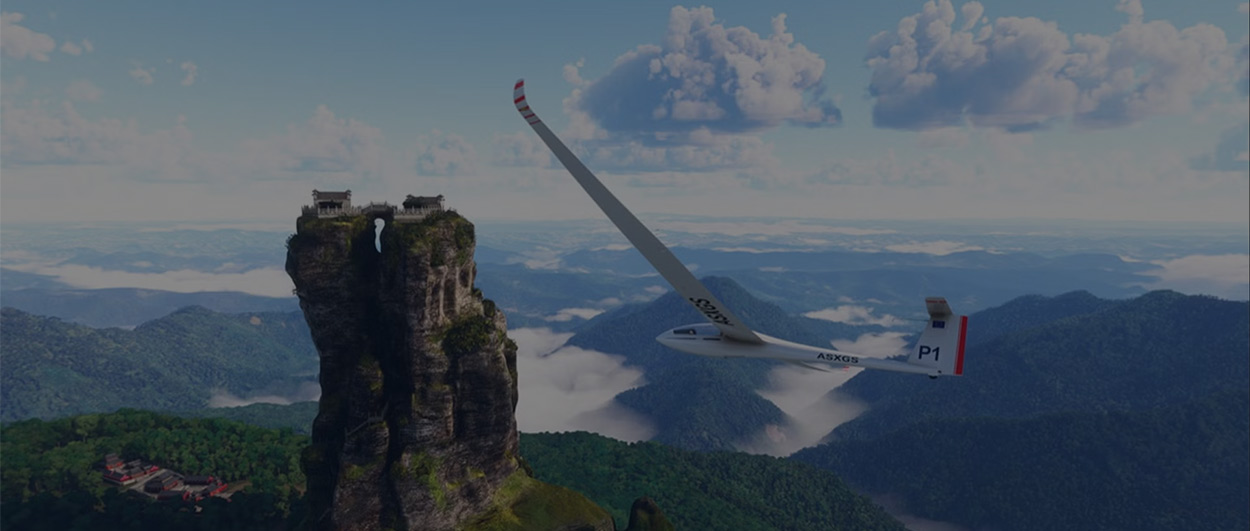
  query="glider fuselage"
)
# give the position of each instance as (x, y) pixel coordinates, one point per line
(704, 339)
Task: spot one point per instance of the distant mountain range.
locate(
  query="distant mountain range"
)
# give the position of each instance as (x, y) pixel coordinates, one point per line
(1074, 412)
(1072, 353)
(805, 281)
(53, 368)
(129, 307)
(599, 279)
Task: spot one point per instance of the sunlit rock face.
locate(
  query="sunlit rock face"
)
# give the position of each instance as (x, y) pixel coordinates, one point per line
(416, 428)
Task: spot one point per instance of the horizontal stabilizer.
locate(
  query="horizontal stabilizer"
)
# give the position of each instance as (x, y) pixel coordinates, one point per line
(938, 308)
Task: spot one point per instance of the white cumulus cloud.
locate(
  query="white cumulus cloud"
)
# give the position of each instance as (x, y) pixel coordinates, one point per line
(39, 134)
(190, 71)
(141, 74)
(324, 144)
(70, 48)
(1024, 73)
(20, 42)
(82, 90)
(445, 154)
(522, 148)
(1232, 152)
(689, 102)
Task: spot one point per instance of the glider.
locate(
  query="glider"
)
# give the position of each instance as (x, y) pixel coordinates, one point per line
(939, 352)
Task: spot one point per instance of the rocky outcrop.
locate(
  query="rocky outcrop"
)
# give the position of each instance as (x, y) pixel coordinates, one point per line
(645, 515)
(416, 428)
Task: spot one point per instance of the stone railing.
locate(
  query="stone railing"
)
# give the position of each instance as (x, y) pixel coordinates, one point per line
(399, 214)
(308, 210)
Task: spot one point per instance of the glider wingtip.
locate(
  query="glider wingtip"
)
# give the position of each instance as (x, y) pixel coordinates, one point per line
(518, 98)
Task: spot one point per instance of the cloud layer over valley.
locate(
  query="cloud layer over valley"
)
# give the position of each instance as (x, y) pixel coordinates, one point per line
(570, 389)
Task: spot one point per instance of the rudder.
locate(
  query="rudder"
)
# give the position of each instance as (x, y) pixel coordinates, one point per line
(941, 345)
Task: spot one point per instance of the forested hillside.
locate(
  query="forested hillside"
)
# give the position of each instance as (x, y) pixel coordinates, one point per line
(52, 479)
(1180, 467)
(1072, 413)
(697, 490)
(53, 368)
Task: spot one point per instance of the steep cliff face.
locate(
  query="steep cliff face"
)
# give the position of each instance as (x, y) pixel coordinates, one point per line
(416, 428)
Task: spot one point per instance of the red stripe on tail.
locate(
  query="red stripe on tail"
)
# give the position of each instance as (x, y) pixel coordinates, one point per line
(963, 336)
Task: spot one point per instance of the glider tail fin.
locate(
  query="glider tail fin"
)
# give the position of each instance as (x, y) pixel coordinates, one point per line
(941, 345)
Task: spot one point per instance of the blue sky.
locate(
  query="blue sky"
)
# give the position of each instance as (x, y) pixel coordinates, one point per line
(168, 111)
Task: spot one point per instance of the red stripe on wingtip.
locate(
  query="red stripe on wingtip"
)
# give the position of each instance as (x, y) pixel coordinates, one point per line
(520, 83)
(963, 336)
(519, 100)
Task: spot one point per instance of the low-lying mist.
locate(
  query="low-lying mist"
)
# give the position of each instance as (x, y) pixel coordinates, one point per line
(806, 398)
(278, 394)
(571, 389)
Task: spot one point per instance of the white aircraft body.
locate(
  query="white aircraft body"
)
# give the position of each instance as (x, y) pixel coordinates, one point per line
(940, 350)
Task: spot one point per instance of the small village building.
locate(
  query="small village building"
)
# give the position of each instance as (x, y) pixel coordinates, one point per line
(113, 462)
(174, 495)
(199, 480)
(211, 490)
(163, 483)
(117, 477)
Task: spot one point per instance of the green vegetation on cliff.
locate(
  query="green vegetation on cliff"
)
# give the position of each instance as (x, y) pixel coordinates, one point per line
(523, 503)
(432, 235)
(312, 230)
(468, 335)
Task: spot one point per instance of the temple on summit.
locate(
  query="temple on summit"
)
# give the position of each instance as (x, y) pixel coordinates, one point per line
(327, 204)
